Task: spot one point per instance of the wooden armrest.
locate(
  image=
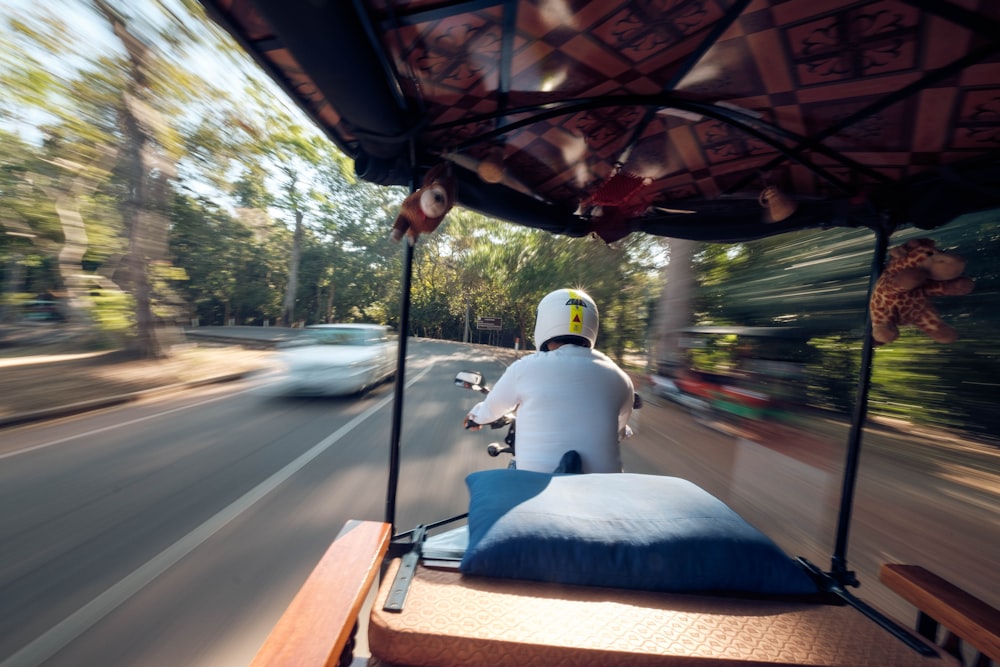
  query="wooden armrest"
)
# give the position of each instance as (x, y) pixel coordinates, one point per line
(965, 615)
(318, 623)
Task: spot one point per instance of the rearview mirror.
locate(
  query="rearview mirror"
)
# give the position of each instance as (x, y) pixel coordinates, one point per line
(470, 380)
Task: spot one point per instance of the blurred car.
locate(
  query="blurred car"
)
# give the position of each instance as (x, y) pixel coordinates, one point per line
(337, 359)
(668, 388)
(664, 387)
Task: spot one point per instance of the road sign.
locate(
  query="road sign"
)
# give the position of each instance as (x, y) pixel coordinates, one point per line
(489, 323)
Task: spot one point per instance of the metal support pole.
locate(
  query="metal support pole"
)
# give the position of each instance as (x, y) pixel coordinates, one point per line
(397, 404)
(838, 564)
(830, 585)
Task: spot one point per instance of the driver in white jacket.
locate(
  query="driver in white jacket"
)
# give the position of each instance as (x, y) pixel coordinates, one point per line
(568, 397)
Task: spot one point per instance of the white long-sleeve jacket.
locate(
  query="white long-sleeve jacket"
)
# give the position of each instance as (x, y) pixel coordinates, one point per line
(570, 398)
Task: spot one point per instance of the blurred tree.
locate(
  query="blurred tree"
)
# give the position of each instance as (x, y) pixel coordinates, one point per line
(811, 279)
(356, 269)
(109, 146)
(147, 170)
(818, 280)
(57, 180)
(30, 236)
(105, 142)
(226, 263)
(504, 271)
(674, 310)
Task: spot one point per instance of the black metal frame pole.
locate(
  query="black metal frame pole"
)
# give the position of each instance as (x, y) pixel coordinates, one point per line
(830, 585)
(840, 576)
(838, 565)
(397, 405)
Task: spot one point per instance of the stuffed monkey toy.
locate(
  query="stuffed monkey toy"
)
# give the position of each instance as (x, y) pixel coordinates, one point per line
(423, 210)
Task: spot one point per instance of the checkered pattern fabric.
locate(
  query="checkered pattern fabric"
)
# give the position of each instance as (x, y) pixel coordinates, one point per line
(700, 98)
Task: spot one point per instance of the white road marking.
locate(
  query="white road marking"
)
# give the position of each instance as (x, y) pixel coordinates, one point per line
(56, 638)
(137, 420)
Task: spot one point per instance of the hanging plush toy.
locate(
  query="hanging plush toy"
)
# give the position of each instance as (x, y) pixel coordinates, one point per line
(614, 203)
(916, 270)
(423, 210)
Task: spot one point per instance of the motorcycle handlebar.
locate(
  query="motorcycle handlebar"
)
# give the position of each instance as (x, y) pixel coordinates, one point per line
(502, 421)
(498, 423)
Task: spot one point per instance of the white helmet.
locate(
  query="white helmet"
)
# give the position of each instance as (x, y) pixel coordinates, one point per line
(566, 312)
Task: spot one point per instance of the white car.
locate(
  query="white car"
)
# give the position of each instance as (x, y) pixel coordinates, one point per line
(337, 359)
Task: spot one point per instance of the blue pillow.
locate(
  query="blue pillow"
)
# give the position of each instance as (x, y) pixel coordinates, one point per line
(620, 530)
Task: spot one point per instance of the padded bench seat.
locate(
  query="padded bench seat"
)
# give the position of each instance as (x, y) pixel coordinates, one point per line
(453, 619)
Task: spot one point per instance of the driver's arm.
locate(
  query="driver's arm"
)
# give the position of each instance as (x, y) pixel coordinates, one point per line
(502, 399)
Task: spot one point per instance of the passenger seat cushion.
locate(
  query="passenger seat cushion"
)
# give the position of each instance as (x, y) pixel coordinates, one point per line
(623, 530)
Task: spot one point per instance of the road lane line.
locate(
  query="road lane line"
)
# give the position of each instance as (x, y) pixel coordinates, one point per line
(60, 635)
(137, 420)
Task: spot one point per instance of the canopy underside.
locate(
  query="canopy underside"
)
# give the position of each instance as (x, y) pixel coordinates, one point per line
(667, 117)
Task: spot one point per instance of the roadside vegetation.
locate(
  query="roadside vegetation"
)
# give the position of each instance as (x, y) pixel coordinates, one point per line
(152, 178)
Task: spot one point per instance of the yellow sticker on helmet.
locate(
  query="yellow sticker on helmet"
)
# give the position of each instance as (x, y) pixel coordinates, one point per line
(575, 313)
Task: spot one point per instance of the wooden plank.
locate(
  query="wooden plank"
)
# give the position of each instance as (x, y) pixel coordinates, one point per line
(317, 624)
(965, 615)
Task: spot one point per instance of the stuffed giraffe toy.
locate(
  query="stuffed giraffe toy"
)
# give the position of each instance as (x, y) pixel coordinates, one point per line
(916, 271)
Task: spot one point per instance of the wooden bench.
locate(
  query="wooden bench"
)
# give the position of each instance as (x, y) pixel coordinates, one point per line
(451, 619)
(939, 602)
(319, 622)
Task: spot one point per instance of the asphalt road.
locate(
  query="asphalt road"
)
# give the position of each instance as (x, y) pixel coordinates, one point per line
(174, 531)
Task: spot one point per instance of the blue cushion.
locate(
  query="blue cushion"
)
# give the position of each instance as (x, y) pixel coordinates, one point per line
(620, 530)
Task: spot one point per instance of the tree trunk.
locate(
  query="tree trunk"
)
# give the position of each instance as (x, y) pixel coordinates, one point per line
(288, 308)
(66, 202)
(75, 243)
(147, 174)
(674, 310)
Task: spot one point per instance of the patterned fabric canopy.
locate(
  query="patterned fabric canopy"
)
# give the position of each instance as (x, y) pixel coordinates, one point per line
(665, 116)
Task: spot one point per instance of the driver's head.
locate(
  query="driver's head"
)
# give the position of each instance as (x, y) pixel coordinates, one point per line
(566, 316)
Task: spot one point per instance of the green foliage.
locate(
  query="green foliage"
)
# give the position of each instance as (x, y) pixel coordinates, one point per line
(112, 313)
(815, 279)
(501, 270)
(819, 280)
(831, 380)
(250, 190)
(227, 265)
(248, 169)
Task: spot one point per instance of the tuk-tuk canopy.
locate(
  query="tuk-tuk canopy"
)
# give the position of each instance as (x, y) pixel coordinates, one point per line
(720, 120)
